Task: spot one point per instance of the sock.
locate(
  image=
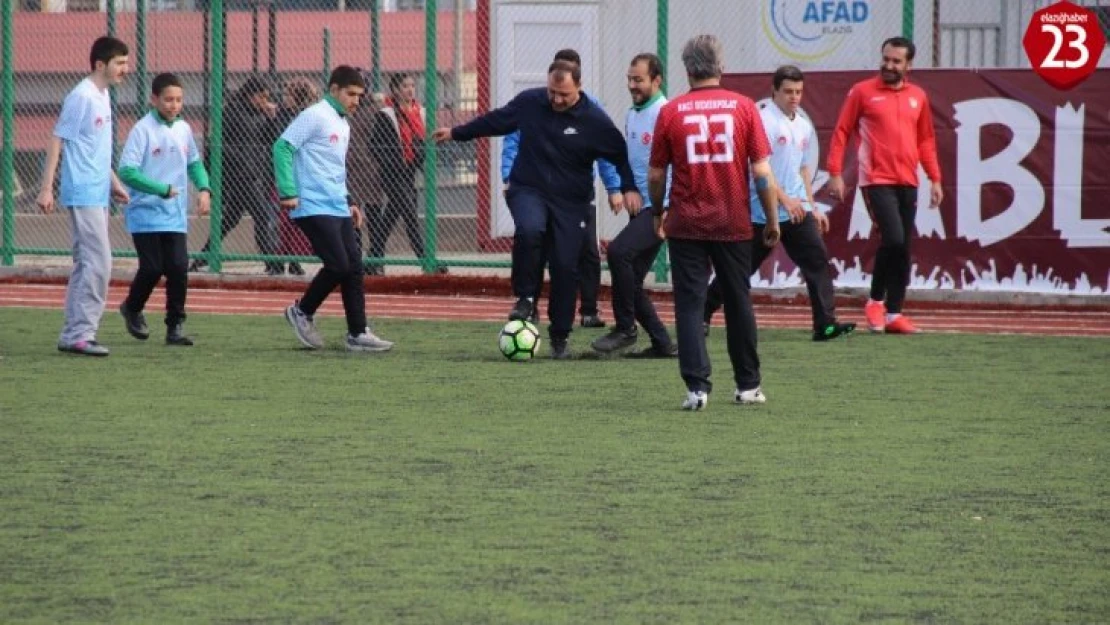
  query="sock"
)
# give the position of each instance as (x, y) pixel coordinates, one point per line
(892, 316)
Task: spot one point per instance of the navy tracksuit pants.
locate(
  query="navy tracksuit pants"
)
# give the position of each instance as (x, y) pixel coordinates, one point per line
(538, 217)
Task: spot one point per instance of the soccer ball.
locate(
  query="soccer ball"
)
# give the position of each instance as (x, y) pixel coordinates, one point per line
(519, 340)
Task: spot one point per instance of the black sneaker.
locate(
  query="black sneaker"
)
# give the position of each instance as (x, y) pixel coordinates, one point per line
(833, 330)
(560, 350)
(135, 322)
(197, 265)
(295, 269)
(275, 270)
(670, 350)
(706, 324)
(617, 339)
(592, 321)
(523, 309)
(175, 335)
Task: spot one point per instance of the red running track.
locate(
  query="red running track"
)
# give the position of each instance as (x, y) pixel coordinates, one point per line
(1095, 322)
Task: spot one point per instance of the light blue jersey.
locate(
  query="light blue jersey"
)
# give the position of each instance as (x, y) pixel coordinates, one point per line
(320, 135)
(85, 128)
(639, 129)
(510, 145)
(162, 152)
(789, 139)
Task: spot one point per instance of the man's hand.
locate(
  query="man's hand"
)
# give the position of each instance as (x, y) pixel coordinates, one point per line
(120, 194)
(442, 135)
(204, 203)
(633, 203)
(289, 203)
(835, 185)
(771, 235)
(356, 215)
(794, 209)
(660, 218)
(45, 200)
(936, 195)
(822, 221)
(616, 203)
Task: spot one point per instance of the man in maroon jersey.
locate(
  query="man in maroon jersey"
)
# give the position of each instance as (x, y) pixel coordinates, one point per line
(708, 137)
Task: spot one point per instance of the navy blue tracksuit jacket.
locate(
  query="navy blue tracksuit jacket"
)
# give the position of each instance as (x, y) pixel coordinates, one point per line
(551, 187)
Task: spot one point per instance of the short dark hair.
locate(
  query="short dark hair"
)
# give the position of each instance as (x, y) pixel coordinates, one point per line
(254, 85)
(163, 80)
(570, 55)
(105, 49)
(786, 72)
(346, 76)
(398, 79)
(901, 42)
(560, 68)
(654, 64)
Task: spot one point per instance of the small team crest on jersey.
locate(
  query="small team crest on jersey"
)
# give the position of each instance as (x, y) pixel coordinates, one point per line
(334, 138)
(99, 123)
(645, 138)
(782, 140)
(913, 102)
(156, 152)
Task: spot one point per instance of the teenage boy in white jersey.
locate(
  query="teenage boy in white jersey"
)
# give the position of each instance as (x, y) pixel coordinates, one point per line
(83, 141)
(790, 135)
(310, 166)
(632, 253)
(158, 161)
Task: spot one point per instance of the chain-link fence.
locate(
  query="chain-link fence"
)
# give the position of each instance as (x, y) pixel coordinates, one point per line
(249, 65)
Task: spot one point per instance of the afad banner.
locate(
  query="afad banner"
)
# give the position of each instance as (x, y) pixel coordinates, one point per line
(1026, 184)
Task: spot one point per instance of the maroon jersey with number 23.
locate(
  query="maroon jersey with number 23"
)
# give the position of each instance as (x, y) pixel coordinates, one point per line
(709, 136)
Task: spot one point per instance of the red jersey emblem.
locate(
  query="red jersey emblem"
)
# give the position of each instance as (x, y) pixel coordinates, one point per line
(782, 140)
(646, 138)
(334, 138)
(99, 122)
(156, 152)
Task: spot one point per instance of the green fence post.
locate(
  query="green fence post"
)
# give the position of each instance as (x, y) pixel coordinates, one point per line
(7, 158)
(431, 163)
(140, 57)
(907, 19)
(375, 46)
(662, 11)
(327, 54)
(216, 131)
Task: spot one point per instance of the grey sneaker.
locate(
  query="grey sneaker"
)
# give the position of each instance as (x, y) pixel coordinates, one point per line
(85, 348)
(695, 400)
(304, 327)
(368, 342)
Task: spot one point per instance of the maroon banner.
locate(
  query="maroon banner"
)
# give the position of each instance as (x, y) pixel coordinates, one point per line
(1026, 175)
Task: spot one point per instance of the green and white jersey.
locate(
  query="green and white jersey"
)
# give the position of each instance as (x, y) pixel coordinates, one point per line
(160, 152)
(319, 135)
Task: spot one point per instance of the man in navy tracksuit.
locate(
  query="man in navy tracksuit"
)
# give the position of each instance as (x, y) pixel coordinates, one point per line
(551, 184)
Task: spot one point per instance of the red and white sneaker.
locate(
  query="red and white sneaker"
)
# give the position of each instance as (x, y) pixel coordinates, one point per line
(901, 325)
(875, 313)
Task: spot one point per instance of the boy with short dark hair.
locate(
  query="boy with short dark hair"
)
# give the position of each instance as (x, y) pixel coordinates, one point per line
(310, 166)
(158, 161)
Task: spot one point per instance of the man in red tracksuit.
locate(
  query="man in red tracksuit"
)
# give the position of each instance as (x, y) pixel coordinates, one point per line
(896, 133)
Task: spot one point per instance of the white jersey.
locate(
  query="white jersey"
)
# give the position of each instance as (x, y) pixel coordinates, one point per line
(790, 139)
(321, 135)
(639, 129)
(85, 128)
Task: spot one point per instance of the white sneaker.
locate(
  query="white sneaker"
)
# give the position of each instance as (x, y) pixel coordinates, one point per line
(753, 396)
(304, 327)
(695, 400)
(368, 342)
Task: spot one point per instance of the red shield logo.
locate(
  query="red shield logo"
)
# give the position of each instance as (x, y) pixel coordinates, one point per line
(1064, 42)
(646, 138)
(334, 138)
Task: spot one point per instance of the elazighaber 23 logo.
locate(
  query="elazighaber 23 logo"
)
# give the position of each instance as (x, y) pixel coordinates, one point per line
(810, 30)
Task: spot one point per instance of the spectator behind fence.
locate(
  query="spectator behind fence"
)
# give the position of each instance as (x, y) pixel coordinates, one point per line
(397, 138)
(297, 95)
(246, 118)
(363, 174)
